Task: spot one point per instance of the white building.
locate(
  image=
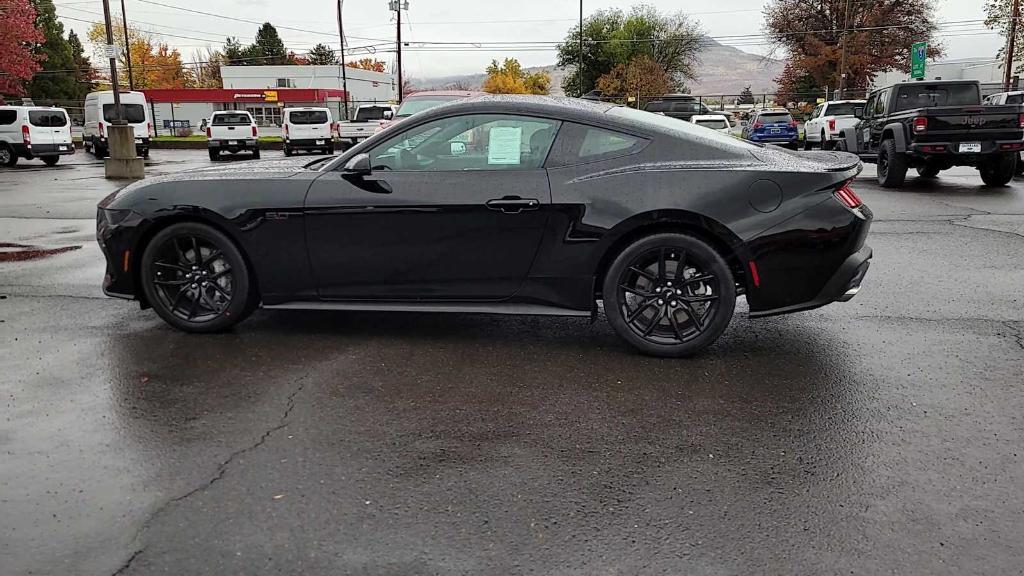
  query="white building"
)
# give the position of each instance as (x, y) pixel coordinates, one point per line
(364, 86)
(988, 71)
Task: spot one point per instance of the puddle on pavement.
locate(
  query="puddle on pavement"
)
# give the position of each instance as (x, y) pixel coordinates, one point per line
(10, 252)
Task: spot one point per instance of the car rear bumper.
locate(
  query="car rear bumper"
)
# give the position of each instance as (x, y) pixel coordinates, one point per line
(841, 287)
(301, 143)
(40, 150)
(240, 144)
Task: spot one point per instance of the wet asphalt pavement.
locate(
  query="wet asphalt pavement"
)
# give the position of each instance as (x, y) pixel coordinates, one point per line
(883, 435)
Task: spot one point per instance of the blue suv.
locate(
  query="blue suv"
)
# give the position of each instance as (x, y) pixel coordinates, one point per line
(772, 127)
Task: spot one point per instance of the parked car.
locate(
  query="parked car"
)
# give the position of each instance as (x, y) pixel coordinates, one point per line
(100, 113)
(232, 131)
(503, 204)
(679, 106)
(772, 126)
(827, 122)
(933, 126)
(364, 122)
(307, 129)
(423, 101)
(29, 132)
(1003, 98)
(719, 122)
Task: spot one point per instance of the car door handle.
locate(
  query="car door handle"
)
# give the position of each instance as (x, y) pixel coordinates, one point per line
(513, 204)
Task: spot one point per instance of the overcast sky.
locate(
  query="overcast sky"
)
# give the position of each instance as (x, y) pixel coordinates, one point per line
(369, 22)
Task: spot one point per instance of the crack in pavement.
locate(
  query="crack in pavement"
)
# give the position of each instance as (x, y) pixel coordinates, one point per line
(221, 471)
(1017, 335)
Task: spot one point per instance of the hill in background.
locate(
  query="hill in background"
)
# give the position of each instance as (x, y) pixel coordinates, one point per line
(724, 70)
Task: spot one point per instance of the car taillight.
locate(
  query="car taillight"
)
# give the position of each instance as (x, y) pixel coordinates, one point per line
(100, 129)
(920, 124)
(209, 132)
(26, 136)
(1020, 120)
(149, 128)
(792, 124)
(253, 130)
(758, 124)
(848, 197)
(285, 129)
(831, 124)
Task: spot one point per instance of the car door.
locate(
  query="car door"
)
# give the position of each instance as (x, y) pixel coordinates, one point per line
(878, 118)
(453, 208)
(812, 128)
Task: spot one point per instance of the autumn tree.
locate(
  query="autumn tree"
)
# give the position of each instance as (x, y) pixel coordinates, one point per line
(641, 78)
(58, 79)
(154, 63)
(612, 38)
(206, 67)
(297, 59)
(998, 15)
(510, 78)
(18, 34)
(796, 85)
(371, 64)
(322, 55)
(878, 35)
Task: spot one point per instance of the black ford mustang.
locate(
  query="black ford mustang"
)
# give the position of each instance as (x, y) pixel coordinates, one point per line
(521, 205)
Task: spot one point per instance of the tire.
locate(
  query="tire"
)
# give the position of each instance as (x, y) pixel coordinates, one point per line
(7, 156)
(807, 143)
(826, 144)
(928, 171)
(1020, 165)
(227, 296)
(330, 150)
(98, 151)
(51, 160)
(892, 165)
(687, 317)
(214, 154)
(287, 151)
(840, 145)
(999, 170)
(256, 154)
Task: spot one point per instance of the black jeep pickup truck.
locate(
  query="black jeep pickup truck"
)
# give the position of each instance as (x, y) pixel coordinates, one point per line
(933, 126)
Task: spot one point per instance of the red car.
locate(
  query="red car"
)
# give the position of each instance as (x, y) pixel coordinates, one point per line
(420, 101)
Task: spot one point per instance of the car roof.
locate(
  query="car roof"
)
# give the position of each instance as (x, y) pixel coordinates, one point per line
(463, 93)
(773, 111)
(32, 107)
(845, 102)
(555, 107)
(709, 117)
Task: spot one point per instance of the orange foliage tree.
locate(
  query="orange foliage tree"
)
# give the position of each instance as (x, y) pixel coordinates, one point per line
(154, 64)
(642, 78)
(368, 64)
(510, 78)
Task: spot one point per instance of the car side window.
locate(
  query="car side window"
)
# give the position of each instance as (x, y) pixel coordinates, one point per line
(881, 103)
(8, 117)
(817, 111)
(579, 144)
(473, 142)
(869, 106)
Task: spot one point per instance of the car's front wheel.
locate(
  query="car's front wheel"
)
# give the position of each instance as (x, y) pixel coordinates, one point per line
(669, 295)
(892, 165)
(196, 279)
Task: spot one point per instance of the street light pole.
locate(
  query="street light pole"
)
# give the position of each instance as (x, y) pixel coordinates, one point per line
(344, 72)
(842, 57)
(127, 48)
(1011, 46)
(581, 49)
(397, 6)
(119, 114)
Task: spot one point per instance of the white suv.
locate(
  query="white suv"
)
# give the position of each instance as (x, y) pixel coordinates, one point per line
(232, 131)
(29, 132)
(308, 129)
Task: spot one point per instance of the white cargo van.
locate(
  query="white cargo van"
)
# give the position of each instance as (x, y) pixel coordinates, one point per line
(307, 129)
(29, 132)
(100, 114)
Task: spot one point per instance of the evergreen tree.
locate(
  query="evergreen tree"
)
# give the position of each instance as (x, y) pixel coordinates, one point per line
(85, 75)
(233, 52)
(322, 54)
(269, 46)
(58, 82)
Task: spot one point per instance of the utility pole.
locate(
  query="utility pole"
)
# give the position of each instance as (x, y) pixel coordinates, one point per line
(127, 48)
(112, 54)
(842, 57)
(344, 72)
(397, 6)
(582, 84)
(1011, 46)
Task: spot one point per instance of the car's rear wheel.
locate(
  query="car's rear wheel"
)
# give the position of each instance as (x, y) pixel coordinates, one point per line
(1019, 171)
(196, 279)
(998, 171)
(7, 156)
(287, 150)
(214, 154)
(928, 171)
(669, 295)
(51, 160)
(256, 154)
(892, 165)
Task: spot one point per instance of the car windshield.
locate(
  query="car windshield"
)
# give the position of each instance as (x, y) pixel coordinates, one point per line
(413, 105)
(47, 118)
(843, 108)
(308, 117)
(231, 119)
(370, 113)
(133, 113)
(1015, 99)
(925, 95)
(775, 118)
(718, 124)
(680, 128)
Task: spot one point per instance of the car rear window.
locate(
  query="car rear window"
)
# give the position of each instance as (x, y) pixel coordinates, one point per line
(843, 108)
(716, 124)
(232, 120)
(1015, 99)
(47, 118)
(926, 95)
(776, 118)
(8, 116)
(133, 113)
(370, 113)
(308, 117)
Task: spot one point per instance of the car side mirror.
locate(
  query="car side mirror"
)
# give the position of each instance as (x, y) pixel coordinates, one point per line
(743, 122)
(858, 112)
(388, 114)
(358, 165)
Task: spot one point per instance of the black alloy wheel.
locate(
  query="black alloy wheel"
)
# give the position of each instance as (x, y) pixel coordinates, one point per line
(196, 279)
(669, 295)
(892, 165)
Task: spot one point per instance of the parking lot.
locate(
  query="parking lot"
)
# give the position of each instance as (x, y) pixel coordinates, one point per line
(883, 435)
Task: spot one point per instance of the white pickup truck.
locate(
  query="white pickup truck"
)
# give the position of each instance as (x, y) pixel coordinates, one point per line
(827, 121)
(364, 123)
(232, 131)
